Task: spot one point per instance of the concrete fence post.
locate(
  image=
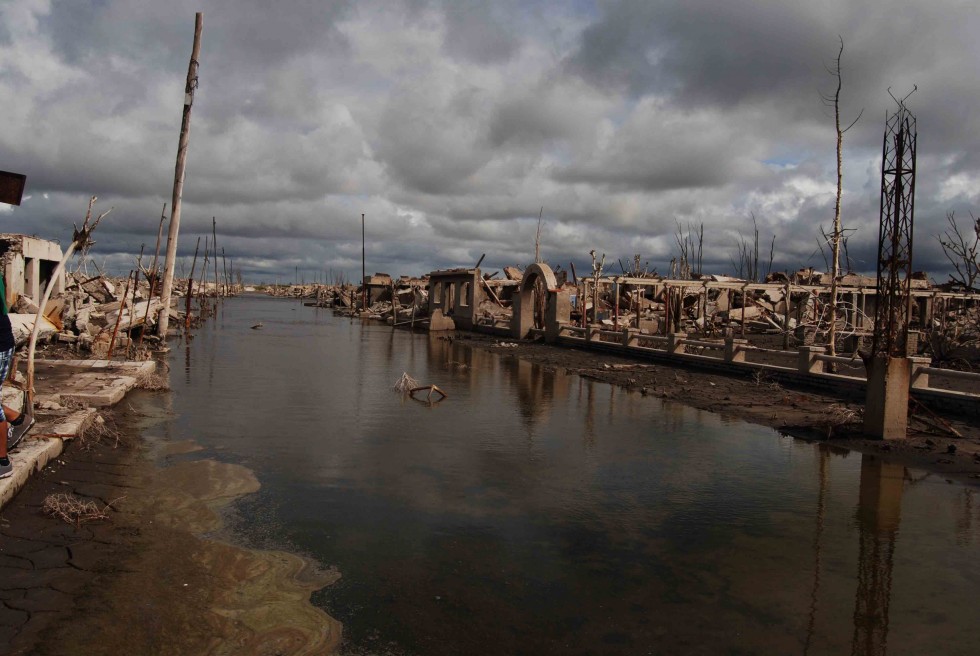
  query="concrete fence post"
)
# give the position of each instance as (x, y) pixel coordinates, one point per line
(734, 349)
(807, 359)
(592, 332)
(919, 377)
(675, 343)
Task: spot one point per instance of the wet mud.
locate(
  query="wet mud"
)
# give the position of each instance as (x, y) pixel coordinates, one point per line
(162, 575)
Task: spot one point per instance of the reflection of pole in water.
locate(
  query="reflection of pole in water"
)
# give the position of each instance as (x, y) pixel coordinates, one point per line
(823, 457)
(964, 523)
(878, 515)
(590, 415)
(187, 362)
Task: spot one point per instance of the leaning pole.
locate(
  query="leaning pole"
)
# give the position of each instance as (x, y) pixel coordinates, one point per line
(163, 322)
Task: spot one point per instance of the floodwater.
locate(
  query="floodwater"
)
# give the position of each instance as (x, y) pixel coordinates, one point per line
(535, 512)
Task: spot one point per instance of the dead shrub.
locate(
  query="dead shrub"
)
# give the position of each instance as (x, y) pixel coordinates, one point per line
(99, 431)
(837, 416)
(153, 381)
(69, 508)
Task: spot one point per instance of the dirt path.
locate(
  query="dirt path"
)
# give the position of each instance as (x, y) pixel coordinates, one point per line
(801, 413)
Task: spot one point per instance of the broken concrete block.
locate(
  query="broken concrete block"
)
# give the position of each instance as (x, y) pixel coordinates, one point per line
(23, 324)
(513, 273)
(24, 305)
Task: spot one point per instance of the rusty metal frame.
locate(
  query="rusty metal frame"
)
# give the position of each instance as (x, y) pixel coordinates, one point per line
(893, 298)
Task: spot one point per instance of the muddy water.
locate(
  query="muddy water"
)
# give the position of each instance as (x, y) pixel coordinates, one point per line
(534, 512)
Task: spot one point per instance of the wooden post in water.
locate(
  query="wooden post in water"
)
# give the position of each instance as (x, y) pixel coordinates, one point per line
(214, 249)
(203, 299)
(190, 291)
(364, 291)
(185, 130)
(153, 277)
(224, 271)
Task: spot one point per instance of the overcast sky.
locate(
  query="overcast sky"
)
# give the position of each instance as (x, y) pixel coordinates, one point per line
(450, 124)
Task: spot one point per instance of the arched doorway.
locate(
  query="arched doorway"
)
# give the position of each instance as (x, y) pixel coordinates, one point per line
(538, 282)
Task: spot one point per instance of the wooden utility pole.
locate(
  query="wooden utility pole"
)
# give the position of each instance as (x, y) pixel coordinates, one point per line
(214, 249)
(224, 271)
(190, 291)
(185, 131)
(204, 280)
(363, 269)
(155, 278)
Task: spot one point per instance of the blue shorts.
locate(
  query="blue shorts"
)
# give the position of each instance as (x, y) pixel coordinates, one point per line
(5, 358)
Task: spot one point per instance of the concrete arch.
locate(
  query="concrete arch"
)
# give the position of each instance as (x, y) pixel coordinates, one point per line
(538, 269)
(556, 304)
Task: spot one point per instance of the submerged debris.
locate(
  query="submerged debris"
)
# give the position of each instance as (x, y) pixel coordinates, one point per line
(405, 384)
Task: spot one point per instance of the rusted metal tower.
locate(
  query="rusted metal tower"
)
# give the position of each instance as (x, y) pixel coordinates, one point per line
(893, 301)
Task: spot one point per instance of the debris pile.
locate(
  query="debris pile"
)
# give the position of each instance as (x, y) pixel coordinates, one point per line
(91, 314)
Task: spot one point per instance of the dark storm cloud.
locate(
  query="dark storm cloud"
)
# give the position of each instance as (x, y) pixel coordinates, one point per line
(480, 32)
(450, 124)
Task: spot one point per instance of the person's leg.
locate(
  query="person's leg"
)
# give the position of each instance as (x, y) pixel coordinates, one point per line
(5, 468)
(5, 357)
(10, 414)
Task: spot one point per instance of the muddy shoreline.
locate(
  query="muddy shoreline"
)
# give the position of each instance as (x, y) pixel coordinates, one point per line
(798, 412)
(148, 580)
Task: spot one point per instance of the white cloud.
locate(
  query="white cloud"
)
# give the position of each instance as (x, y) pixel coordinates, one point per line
(451, 123)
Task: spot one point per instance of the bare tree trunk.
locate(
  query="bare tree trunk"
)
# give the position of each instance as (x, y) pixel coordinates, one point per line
(838, 231)
(537, 237)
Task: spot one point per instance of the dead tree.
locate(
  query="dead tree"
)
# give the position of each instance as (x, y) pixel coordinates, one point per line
(745, 259)
(82, 242)
(596, 274)
(690, 248)
(537, 239)
(961, 253)
(837, 234)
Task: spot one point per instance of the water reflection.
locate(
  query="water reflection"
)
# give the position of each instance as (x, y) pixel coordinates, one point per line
(540, 512)
(879, 514)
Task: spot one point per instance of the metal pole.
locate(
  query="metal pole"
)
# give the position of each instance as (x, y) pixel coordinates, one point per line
(185, 130)
(363, 269)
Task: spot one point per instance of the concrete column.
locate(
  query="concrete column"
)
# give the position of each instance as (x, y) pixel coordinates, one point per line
(558, 310)
(919, 378)
(807, 362)
(675, 343)
(887, 403)
(592, 332)
(630, 336)
(32, 278)
(734, 351)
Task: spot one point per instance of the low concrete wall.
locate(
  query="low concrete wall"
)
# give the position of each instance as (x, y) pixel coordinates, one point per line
(805, 375)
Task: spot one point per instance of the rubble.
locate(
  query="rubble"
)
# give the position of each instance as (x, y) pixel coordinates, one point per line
(84, 315)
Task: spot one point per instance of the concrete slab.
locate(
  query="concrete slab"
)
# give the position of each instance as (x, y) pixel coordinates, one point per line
(98, 383)
(44, 443)
(93, 383)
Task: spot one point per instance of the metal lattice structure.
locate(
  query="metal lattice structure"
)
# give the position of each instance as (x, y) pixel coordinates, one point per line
(893, 304)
